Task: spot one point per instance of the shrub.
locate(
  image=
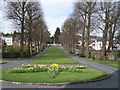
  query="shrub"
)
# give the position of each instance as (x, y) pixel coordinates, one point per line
(9, 48)
(26, 54)
(118, 53)
(71, 52)
(34, 53)
(92, 57)
(13, 48)
(81, 55)
(14, 54)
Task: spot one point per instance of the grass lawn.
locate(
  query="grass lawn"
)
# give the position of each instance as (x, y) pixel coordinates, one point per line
(106, 62)
(42, 77)
(112, 63)
(53, 55)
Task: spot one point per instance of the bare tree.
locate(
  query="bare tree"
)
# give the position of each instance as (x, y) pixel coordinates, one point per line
(114, 17)
(29, 17)
(17, 12)
(80, 11)
(34, 12)
(108, 23)
(85, 11)
(70, 30)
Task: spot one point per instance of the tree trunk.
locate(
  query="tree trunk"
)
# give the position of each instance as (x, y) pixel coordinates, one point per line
(105, 34)
(110, 38)
(30, 36)
(22, 31)
(83, 36)
(88, 35)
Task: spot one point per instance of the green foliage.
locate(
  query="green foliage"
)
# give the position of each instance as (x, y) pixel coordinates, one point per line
(13, 48)
(2, 62)
(25, 49)
(71, 52)
(3, 48)
(26, 54)
(34, 53)
(9, 48)
(92, 57)
(13, 51)
(81, 55)
(56, 35)
(118, 53)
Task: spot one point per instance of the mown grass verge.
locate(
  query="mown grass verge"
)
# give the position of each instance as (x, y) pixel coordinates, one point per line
(112, 63)
(44, 77)
(53, 55)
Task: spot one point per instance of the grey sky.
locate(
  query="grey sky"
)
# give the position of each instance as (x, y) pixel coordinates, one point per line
(55, 13)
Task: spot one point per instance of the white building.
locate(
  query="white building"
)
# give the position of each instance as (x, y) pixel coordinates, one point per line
(95, 43)
(8, 40)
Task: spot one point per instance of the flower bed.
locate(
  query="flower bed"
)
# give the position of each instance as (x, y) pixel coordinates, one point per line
(53, 69)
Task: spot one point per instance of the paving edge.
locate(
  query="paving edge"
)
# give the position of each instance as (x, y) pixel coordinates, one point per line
(59, 84)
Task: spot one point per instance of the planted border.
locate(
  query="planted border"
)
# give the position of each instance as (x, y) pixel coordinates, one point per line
(46, 78)
(53, 69)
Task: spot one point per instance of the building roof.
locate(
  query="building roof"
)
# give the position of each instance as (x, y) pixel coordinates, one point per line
(99, 38)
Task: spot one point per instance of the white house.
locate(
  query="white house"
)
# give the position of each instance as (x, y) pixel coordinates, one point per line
(95, 42)
(8, 40)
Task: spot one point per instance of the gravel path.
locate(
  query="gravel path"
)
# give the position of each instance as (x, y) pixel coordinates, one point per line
(111, 82)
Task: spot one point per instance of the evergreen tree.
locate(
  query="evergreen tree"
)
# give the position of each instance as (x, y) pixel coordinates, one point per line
(56, 35)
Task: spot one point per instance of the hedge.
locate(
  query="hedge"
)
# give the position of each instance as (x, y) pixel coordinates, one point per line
(14, 54)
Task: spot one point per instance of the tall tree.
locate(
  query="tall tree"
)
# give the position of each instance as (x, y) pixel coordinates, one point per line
(34, 12)
(17, 12)
(114, 18)
(108, 23)
(29, 17)
(69, 35)
(85, 11)
(56, 35)
(80, 11)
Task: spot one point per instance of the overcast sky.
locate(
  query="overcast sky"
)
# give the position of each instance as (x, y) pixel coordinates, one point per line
(55, 13)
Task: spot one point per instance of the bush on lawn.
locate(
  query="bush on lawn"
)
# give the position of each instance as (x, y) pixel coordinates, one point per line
(81, 55)
(93, 57)
(71, 52)
(117, 54)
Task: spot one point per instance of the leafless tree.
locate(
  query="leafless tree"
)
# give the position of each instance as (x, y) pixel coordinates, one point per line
(85, 11)
(108, 14)
(17, 12)
(70, 30)
(29, 17)
(114, 17)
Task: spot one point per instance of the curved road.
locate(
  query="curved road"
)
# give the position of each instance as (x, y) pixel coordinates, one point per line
(111, 82)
